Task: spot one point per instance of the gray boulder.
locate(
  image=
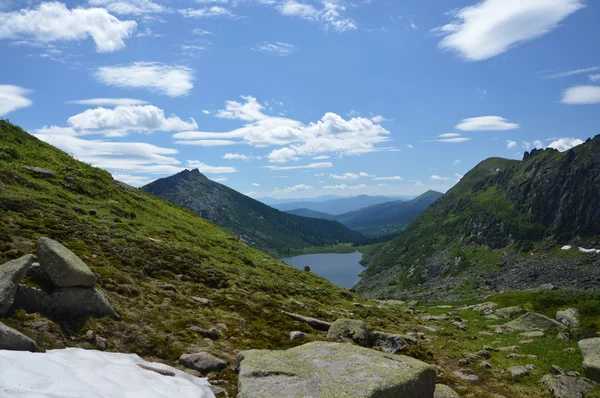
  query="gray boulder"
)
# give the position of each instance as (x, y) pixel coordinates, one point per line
(11, 339)
(443, 391)
(350, 329)
(40, 172)
(590, 349)
(388, 342)
(519, 371)
(484, 307)
(509, 312)
(569, 317)
(63, 267)
(203, 362)
(533, 321)
(297, 335)
(11, 273)
(312, 322)
(322, 369)
(563, 386)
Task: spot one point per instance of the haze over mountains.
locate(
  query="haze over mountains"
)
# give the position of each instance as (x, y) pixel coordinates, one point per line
(335, 206)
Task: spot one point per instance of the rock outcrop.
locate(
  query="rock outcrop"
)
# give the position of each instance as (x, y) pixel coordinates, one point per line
(443, 391)
(590, 349)
(11, 339)
(11, 274)
(322, 369)
(509, 312)
(569, 317)
(563, 386)
(63, 267)
(533, 321)
(203, 362)
(350, 329)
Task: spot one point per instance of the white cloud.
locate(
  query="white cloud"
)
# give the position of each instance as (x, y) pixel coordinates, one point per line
(411, 146)
(510, 144)
(129, 7)
(219, 179)
(331, 134)
(345, 187)
(173, 81)
(133, 180)
(208, 12)
(349, 176)
(320, 157)
(574, 72)
(202, 32)
(595, 78)
(392, 178)
(456, 162)
(293, 8)
(451, 140)
(449, 135)
(126, 118)
(330, 16)
(237, 156)
(276, 48)
(581, 95)
(207, 143)
(323, 165)
(204, 168)
(108, 102)
(295, 188)
(378, 119)
(255, 184)
(417, 183)
(13, 98)
(564, 144)
(491, 27)
(53, 21)
(439, 178)
(486, 123)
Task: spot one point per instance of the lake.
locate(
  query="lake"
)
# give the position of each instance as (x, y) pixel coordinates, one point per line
(340, 269)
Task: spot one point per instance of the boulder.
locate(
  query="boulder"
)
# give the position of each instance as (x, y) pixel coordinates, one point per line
(322, 369)
(312, 322)
(11, 273)
(443, 391)
(297, 335)
(388, 342)
(435, 318)
(533, 321)
(484, 307)
(11, 339)
(203, 362)
(563, 386)
(590, 349)
(40, 172)
(509, 312)
(63, 267)
(569, 317)
(350, 329)
(519, 371)
(532, 334)
(201, 300)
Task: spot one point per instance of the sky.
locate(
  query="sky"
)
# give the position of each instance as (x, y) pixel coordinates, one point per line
(302, 98)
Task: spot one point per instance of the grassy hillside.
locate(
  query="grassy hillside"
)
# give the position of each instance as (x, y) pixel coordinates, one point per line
(260, 225)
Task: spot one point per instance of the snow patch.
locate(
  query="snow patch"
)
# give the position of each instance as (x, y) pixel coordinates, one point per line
(74, 372)
(566, 247)
(581, 249)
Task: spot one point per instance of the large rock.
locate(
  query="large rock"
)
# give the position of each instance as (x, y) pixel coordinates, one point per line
(590, 349)
(484, 307)
(322, 369)
(509, 312)
(443, 391)
(312, 322)
(67, 302)
(11, 273)
(350, 329)
(40, 172)
(388, 342)
(11, 339)
(563, 386)
(203, 362)
(568, 317)
(63, 267)
(533, 321)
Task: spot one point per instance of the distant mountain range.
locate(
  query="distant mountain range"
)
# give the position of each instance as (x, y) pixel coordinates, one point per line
(378, 220)
(335, 206)
(506, 225)
(262, 226)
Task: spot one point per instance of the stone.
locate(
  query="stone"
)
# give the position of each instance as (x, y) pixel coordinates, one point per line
(296, 302)
(443, 391)
(203, 362)
(465, 376)
(297, 335)
(485, 364)
(532, 334)
(460, 325)
(350, 329)
(563, 386)
(11, 339)
(323, 369)
(389, 342)
(519, 371)
(509, 312)
(221, 326)
(42, 326)
(312, 322)
(63, 267)
(219, 391)
(484, 307)
(569, 317)
(557, 370)
(464, 362)
(201, 300)
(40, 172)
(211, 333)
(11, 274)
(590, 349)
(562, 336)
(443, 317)
(533, 321)
(101, 342)
(157, 370)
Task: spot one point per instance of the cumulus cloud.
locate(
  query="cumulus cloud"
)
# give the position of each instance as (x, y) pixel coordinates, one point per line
(491, 27)
(13, 98)
(486, 123)
(330, 15)
(295, 188)
(208, 12)
(349, 176)
(595, 78)
(345, 187)
(219, 179)
(170, 80)
(581, 95)
(108, 102)
(564, 144)
(278, 48)
(237, 156)
(391, 178)
(129, 7)
(204, 168)
(53, 21)
(510, 144)
(322, 165)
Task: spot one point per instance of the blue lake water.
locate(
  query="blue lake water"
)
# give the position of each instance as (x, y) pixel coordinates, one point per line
(340, 269)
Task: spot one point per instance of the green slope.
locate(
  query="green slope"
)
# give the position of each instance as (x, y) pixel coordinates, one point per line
(261, 226)
(311, 214)
(505, 216)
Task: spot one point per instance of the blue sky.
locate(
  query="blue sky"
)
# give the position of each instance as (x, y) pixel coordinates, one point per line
(301, 98)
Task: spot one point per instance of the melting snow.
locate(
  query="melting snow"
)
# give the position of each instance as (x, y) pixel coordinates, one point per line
(581, 249)
(566, 247)
(74, 372)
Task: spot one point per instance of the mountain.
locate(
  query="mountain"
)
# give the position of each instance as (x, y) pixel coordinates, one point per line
(335, 206)
(262, 226)
(275, 201)
(502, 227)
(311, 214)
